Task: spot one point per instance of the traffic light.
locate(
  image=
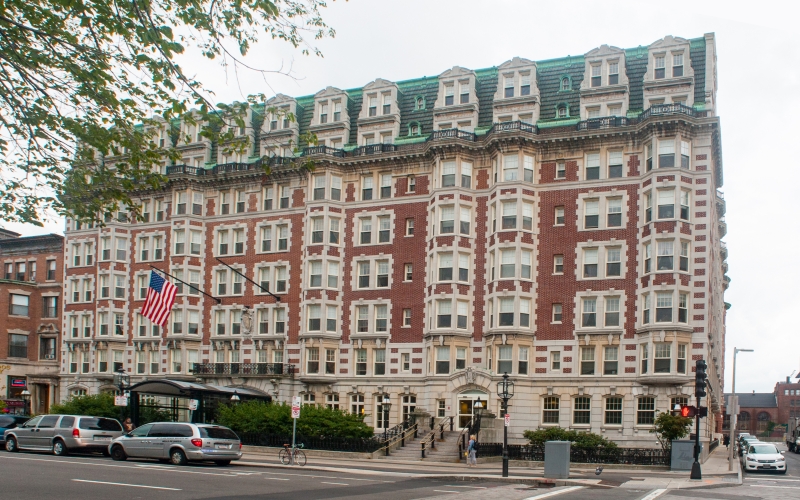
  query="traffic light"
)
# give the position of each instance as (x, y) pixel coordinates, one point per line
(688, 411)
(702, 412)
(700, 378)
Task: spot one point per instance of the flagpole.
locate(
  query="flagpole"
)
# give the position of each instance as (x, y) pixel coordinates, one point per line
(219, 301)
(248, 279)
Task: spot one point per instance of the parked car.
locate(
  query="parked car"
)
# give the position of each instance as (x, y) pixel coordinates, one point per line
(63, 434)
(763, 456)
(178, 443)
(10, 422)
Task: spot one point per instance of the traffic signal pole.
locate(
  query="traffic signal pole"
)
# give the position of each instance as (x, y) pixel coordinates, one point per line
(696, 472)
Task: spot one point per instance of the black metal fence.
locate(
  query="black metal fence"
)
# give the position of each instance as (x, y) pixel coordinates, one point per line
(243, 369)
(626, 456)
(355, 445)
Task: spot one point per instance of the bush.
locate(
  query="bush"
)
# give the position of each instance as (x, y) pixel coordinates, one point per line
(102, 405)
(668, 427)
(273, 418)
(579, 440)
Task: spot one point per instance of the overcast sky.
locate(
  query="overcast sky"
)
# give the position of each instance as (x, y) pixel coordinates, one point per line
(758, 103)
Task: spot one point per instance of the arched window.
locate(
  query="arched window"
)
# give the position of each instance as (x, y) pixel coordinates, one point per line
(419, 103)
(562, 110)
(414, 128)
(762, 422)
(566, 83)
(744, 421)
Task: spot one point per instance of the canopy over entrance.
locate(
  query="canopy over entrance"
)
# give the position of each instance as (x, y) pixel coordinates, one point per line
(182, 401)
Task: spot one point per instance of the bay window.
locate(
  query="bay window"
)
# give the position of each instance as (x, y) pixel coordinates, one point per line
(442, 360)
(666, 204)
(663, 307)
(665, 255)
(666, 153)
(663, 358)
(504, 359)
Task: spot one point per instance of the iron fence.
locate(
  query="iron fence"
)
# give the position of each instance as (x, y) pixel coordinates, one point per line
(243, 369)
(353, 445)
(603, 123)
(453, 133)
(627, 456)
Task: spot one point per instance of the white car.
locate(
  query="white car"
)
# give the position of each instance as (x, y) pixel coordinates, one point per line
(763, 456)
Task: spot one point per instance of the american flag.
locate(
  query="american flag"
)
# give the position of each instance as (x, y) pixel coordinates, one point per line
(160, 298)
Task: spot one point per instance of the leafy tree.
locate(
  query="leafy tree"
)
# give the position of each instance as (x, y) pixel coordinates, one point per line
(80, 82)
(770, 427)
(579, 440)
(273, 418)
(102, 405)
(668, 427)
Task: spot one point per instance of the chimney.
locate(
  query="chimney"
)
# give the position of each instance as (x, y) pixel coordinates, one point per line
(787, 380)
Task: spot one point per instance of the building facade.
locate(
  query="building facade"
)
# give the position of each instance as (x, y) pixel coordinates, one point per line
(30, 308)
(761, 411)
(559, 221)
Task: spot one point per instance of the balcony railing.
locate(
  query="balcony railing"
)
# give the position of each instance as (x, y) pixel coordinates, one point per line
(603, 123)
(516, 125)
(670, 109)
(233, 167)
(453, 133)
(185, 169)
(323, 150)
(244, 369)
(373, 149)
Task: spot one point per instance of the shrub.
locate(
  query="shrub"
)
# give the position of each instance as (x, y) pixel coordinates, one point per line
(102, 405)
(274, 418)
(579, 440)
(668, 427)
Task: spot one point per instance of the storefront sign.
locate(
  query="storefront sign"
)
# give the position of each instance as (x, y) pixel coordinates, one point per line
(19, 382)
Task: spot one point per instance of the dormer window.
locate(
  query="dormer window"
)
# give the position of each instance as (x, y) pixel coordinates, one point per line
(387, 104)
(337, 111)
(677, 65)
(613, 73)
(419, 103)
(464, 93)
(562, 111)
(525, 85)
(373, 106)
(414, 129)
(566, 84)
(508, 87)
(597, 79)
(449, 95)
(660, 67)
(323, 113)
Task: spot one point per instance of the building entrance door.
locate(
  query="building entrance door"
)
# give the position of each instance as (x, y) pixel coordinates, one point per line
(466, 405)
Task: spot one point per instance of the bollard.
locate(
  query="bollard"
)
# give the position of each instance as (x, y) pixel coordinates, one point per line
(403, 440)
(433, 441)
(433, 423)
(423, 449)
(451, 424)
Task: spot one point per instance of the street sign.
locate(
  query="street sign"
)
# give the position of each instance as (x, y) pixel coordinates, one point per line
(507, 419)
(120, 401)
(296, 407)
(732, 407)
(193, 404)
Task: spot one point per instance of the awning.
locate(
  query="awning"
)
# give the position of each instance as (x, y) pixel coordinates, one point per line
(166, 387)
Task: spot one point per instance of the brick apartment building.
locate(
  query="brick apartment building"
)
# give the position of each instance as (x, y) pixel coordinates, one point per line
(30, 312)
(758, 409)
(557, 220)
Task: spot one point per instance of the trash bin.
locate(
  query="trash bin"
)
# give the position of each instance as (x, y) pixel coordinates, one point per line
(556, 459)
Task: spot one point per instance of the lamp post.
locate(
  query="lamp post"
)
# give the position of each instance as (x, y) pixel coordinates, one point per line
(26, 396)
(122, 380)
(385, 406)
(235, 398)
(734, 411)
(505, 391)
(477, 410)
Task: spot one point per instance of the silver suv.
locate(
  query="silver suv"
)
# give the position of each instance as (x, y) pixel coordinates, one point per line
(178, 443)
(62, 434)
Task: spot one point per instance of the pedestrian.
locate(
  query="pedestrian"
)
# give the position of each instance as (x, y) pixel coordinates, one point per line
(726, 440)
(128, 425)
(472, 461)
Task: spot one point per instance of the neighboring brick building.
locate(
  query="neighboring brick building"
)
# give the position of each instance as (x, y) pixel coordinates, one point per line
(30, 312)
(756, 410)
(556, 220)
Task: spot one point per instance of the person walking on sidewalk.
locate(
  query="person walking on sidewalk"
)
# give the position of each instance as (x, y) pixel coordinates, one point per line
(472, 461)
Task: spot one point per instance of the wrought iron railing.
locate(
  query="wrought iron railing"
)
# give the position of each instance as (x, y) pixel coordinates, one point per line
(626, 456)
(515, 125)
(373, 149)
(603, 122)
(356, 445)
(185, 169)
(233, 167)
(323, 150)
(453, 133)
(670, 109)
(243, 369)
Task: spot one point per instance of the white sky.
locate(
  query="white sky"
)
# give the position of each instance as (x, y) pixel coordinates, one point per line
(758, 103)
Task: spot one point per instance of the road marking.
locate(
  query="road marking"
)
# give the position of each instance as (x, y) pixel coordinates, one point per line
(125, 484)
(119, 466)
(457, 486)
(768, 486)
(339, 484)
(446, 491)
(654, 494)
(278, 478)
(554, 493)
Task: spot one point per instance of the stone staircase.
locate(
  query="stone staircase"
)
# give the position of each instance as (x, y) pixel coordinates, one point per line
(446, 449)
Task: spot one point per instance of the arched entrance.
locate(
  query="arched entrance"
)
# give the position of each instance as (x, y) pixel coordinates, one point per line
(466, 405)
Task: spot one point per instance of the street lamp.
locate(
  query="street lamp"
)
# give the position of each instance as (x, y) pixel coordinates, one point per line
(123, 381)
(734, 411)
(505, 391)
(26, 396)
(235, 398)
(387, 404)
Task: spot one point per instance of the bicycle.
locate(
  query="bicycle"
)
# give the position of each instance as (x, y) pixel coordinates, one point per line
(289, 455)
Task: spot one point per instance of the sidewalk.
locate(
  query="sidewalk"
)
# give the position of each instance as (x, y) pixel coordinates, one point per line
(715, 471)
